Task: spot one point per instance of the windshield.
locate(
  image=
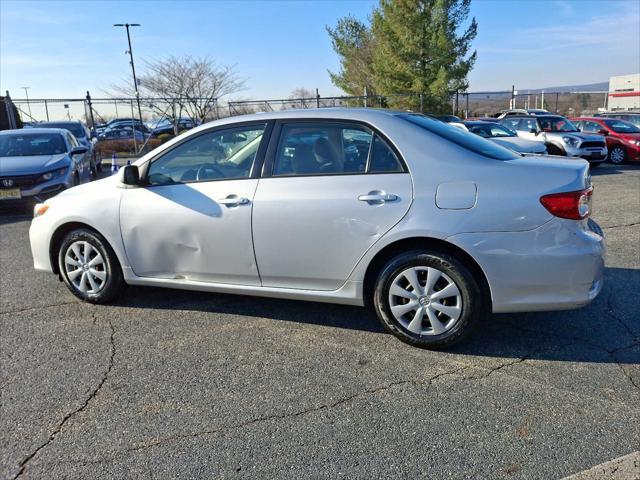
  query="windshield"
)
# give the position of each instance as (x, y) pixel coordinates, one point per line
(620, 126)
(20, 145)
(74, 128)
(556, 124)
(460, 137)
(491, 130)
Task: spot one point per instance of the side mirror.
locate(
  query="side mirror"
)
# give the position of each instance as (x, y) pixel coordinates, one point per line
(78, 150)
(131, 175)
(604, 132)
(533, 130)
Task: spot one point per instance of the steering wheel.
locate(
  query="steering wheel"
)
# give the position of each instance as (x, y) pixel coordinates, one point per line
(201, 173)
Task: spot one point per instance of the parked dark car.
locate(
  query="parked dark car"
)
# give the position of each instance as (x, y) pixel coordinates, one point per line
(37, 163)
(448, 118)
(623, 138)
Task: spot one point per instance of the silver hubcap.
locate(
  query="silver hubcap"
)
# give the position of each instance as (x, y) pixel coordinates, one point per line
(617, 155)
(425, 301)
(85, 267)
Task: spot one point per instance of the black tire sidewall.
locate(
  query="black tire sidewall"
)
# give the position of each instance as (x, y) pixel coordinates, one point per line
(115, 280)
(472, 304)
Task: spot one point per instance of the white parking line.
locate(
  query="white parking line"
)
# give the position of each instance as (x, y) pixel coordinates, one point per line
(621, 468)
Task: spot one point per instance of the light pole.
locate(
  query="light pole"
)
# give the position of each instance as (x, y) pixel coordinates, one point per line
(133, 68)
(28, 104)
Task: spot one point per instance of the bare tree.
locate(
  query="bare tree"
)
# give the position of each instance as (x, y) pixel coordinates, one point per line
(185, 85)
(302, 98)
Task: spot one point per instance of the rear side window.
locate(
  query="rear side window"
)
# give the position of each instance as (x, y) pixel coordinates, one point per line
(327, 148)
(460, 137)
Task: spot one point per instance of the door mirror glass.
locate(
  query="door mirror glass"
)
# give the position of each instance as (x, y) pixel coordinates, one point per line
(78, 150)
(604, 132)
(131, 175)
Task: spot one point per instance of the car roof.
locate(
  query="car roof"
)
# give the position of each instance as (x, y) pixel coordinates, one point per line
(33, 131)
(61, 122)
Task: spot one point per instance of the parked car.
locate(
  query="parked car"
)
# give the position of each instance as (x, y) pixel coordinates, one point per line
(522, 111)
(448, 118)
(82, 134)
(623, 138)
(122, 133)
(560, 136)
(122, 140)
(37, 163)
(116, 122)
(507, 138)
(632, 117)
(167, 126)
(431, 225)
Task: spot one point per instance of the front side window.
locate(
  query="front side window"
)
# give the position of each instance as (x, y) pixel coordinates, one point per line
(462, 138)
(218, 155)
(557, 124)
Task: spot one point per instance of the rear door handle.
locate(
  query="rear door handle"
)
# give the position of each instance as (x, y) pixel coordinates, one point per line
(377, 197)
(233, 201)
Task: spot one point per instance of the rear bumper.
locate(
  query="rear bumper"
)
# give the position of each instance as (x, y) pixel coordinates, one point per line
(558, 266)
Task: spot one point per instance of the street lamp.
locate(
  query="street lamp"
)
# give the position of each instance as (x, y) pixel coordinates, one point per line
(133, 68)
(28, 104)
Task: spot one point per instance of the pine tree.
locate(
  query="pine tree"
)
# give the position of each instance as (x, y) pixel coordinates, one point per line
(353, 42)
(414, 47)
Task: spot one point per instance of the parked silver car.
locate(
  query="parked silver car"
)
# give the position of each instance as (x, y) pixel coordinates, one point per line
(36, 163)
(560, 136)
(431, 225)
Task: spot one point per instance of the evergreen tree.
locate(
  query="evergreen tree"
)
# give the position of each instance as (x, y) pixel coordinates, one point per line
(414, 47)
(353, 42)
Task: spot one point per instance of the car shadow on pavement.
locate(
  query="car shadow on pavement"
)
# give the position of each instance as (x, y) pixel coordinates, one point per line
(592, 334)
(609, 169)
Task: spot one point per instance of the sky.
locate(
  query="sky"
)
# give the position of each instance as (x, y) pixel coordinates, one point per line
(64, 48)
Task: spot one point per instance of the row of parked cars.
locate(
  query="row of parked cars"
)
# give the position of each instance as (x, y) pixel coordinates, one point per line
(132, 128)
(595, 139)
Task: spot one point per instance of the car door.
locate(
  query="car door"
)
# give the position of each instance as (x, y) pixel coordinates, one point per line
(329, 191)
(192, 219)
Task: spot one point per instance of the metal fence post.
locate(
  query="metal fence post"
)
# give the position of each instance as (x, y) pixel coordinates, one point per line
(8, 105)
(557, 97)
(93, 123)
(317, 98)
(46, 108)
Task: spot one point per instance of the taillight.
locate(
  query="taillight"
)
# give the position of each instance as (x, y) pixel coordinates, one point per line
(571, 205)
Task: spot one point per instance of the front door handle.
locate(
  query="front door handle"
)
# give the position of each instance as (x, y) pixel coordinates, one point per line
(377, 197)
(233, 201)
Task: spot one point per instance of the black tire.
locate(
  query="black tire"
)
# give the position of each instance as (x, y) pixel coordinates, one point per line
(473, 304)
(619, 157)
(112, 285)
(555, 150)
(76, 179)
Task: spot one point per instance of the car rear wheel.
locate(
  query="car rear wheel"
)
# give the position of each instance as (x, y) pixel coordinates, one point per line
(617, 155)
(89, 267)
(428, 299)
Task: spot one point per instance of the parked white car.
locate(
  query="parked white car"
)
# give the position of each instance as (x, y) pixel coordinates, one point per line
(431, 225)
(507, 138)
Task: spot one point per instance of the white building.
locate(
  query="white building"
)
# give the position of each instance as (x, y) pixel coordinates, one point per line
(624, 92)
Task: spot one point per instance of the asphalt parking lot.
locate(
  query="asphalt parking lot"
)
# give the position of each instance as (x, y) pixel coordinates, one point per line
(173, 384)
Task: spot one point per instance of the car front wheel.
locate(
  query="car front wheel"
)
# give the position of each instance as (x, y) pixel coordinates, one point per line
(617, 155)
(89, 267)
(428, 299)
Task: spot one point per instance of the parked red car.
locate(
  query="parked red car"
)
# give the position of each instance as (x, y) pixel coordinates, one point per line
(623, 138)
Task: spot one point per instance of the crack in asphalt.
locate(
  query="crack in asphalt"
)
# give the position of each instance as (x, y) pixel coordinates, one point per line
(40, 307)
(622, 225)
(238, 426)
(23, 464)
(610, 311)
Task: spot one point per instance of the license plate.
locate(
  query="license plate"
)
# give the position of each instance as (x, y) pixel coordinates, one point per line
(13, 194)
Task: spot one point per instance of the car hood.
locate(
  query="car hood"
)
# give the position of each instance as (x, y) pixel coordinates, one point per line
(588, 137)
(30, 164)
(520, 145)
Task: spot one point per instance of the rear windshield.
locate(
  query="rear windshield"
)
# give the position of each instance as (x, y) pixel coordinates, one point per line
(620, 126)
(460, 137)
(74, 128)
(19, 145)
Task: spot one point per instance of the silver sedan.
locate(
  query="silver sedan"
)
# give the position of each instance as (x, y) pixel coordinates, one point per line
(433, 226)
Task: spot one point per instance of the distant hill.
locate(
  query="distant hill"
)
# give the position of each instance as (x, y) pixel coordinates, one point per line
(589, 87)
